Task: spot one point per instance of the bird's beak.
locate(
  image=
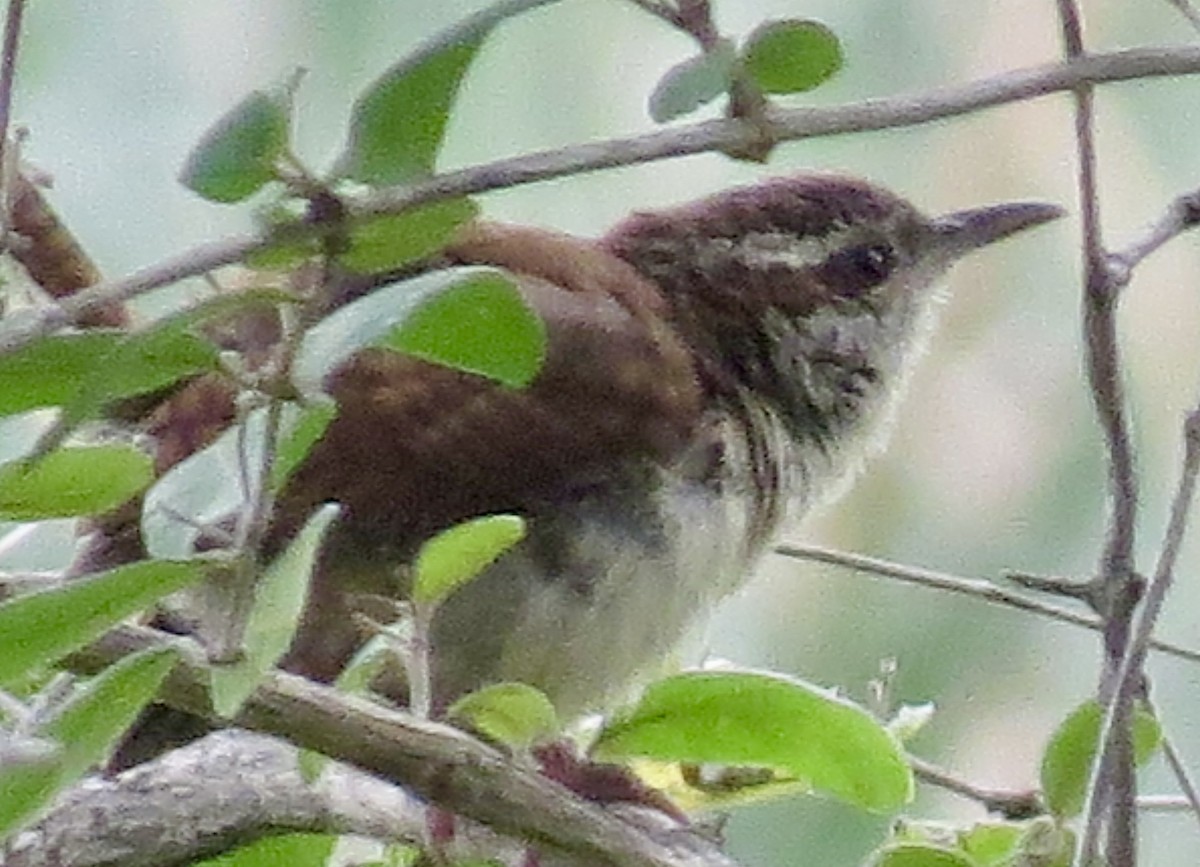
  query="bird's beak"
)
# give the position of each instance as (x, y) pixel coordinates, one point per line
(963, 231)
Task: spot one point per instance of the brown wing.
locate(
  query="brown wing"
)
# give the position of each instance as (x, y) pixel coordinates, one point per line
(417, 447)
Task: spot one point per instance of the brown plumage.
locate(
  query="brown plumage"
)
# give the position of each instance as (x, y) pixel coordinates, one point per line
(712, 371)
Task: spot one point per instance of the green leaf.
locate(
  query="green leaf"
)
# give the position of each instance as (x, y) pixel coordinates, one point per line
(304, 433)
(765, 720)
(919, 855)
(40, 628)
(143, 362)
(26, 786)
(73, 481)
(481, 325)
(455, 556)
(513, 714)
(84, 372)
(693, 83)
(791, 56)
(51, 371)
(237, 156)
(992, 844)
(95, 719)
(1067, 760)
(387, 242)
(398, 124)
(278, 603)
(283, 850)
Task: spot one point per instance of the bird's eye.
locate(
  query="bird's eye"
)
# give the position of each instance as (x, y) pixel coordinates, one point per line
(855, 270)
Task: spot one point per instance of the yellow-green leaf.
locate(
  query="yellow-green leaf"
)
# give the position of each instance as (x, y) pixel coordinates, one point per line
(791, 56)
(237, 156)
(387, 242)
(455, 556)
(73, 481)
(919, 855)
(1067, 761)
(765, 720)
(27, 784)
(514, 714)
(40, 628)
(481, 325)
(398, 124)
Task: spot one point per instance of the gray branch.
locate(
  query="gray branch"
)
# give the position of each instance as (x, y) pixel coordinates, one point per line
(439, 764)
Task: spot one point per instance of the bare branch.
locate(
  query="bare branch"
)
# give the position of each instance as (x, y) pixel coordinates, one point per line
(708, 136)
(974, 587)
(1010, 804)
(1128, 681)
(1113, 790)
(438, 763)
(8, 70)
(1182, 214)
(1179, 769)
(1188, 11)
(212, 795)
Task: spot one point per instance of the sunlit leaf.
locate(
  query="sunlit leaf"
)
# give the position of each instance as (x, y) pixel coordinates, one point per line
(278, 603)
(51, 371)
(765, 720)
(992, 844)
(280, 850)
(84, 372)
(237, 156)
(26, 786)
(513, 714)
(398, 124)
(919, 855)
(693, 83)
(1067, 760)
(87, 480)
(387, 242)
(791, 56)
(455, 556)
(141, 363)
(38, 629)
(481, 325)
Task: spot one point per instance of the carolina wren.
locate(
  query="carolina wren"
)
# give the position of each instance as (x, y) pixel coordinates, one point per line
(713, 371)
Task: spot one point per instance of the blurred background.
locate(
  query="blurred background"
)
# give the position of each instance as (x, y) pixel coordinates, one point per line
(995, 462)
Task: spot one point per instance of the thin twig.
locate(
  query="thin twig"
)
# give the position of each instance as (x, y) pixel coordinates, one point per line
(1182, 214)
(973, 587)
(1055, 585)
(704, 137)
(436, 762)
(8, 71)
(1164, 803)
(1179, 769)
(1128, 682)
(1188, 11)
(661, 11)
(1011, 804)
(1113, 786)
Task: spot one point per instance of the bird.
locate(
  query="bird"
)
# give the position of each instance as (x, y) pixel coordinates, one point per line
(714, 371)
